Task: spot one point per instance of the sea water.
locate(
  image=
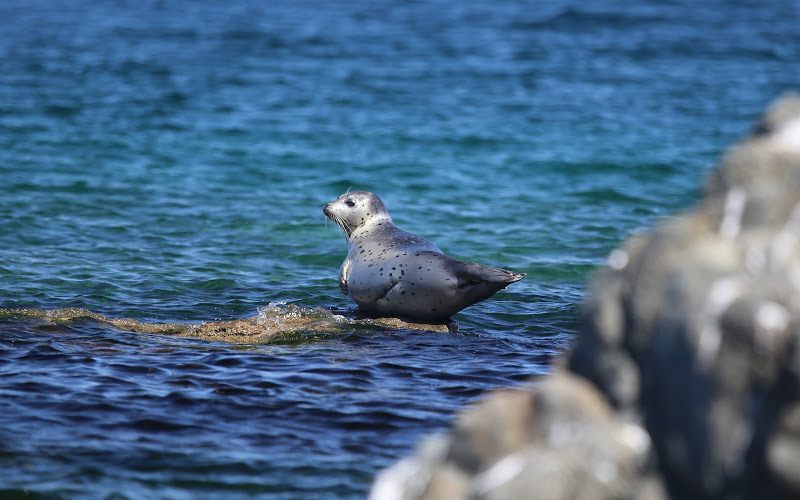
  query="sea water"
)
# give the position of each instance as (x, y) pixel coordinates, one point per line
(169, 161)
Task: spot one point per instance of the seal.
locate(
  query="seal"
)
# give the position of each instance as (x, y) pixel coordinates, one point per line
(391, 272)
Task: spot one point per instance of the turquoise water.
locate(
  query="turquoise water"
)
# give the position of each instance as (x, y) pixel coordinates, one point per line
(170, 161)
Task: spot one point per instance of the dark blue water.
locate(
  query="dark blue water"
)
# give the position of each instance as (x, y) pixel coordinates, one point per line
(168, 161)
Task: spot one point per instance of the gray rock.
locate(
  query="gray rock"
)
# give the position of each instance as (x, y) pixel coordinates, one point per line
(561, 440)
(685, 379)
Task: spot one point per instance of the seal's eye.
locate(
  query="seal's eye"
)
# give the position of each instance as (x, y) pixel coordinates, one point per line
(349, 203)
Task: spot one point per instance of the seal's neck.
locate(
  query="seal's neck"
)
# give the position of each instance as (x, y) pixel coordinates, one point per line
(375, 225)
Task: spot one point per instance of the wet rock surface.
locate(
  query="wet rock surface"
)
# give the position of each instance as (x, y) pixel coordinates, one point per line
(274, 322)
(685, 379)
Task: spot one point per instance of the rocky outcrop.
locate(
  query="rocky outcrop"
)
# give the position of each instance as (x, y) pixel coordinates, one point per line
(685, 379)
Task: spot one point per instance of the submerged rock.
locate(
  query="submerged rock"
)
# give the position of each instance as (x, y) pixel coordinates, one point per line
(275, 321)
(279, 320)
(685, 379)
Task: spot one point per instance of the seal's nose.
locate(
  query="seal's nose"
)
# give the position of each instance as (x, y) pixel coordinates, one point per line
(327, 210)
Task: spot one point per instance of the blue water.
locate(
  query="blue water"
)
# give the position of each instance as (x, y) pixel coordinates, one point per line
(169, 161)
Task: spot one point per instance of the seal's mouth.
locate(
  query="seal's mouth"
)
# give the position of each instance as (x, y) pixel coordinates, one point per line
(338, 219)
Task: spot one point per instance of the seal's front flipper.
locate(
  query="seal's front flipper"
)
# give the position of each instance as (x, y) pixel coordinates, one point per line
(344, 274)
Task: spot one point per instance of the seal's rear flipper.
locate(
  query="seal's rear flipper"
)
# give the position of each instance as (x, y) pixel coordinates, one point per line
(478, 273)
(477, 282)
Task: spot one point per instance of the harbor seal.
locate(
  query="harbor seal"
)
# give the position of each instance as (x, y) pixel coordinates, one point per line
(391, 272)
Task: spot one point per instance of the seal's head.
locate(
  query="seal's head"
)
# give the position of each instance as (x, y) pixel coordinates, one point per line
(356, 209)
